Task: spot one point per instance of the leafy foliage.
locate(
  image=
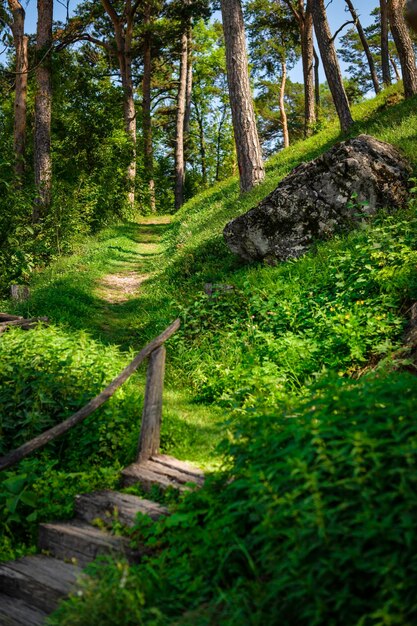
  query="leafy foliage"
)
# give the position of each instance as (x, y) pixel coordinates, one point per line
(314, 521)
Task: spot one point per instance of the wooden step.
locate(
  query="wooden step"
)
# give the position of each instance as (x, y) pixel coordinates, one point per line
(163, 471)
(110, 506)
(15, 612)
(38, 580)
(81, 543)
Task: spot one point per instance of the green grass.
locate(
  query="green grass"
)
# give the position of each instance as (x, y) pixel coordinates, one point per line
(261, 346)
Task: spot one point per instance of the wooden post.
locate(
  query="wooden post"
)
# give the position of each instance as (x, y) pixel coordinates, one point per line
(150, 432)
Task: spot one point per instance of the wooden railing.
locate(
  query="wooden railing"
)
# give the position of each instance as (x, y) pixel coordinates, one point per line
(152, 411)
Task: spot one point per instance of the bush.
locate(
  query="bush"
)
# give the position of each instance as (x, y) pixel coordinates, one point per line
(313, 523)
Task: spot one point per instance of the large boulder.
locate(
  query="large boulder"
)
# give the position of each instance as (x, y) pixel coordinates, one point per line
(328, 195)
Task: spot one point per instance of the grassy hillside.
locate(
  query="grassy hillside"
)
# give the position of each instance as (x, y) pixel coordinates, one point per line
(305, 366)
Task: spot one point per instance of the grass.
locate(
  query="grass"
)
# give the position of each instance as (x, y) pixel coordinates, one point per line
(261, 345)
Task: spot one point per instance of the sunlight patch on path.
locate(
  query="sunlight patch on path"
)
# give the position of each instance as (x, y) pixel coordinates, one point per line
(120, 287)
(115, 288)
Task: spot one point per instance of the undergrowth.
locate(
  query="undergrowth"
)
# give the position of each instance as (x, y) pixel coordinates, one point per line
(312, 520)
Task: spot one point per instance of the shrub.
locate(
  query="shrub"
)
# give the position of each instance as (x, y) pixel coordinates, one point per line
(313, 523)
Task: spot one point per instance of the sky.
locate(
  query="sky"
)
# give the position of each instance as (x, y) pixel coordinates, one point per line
(336, 13)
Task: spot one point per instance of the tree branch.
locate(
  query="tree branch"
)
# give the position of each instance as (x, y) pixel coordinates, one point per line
(339, 30)
(108, 7)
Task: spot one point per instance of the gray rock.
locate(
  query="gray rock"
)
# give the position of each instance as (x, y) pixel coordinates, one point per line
(328, 195)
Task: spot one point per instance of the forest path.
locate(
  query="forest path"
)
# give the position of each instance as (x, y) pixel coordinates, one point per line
(121, 286)
(119, 290)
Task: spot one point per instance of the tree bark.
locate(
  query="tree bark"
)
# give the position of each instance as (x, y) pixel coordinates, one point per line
(43, 103)
(188, 95)
(146, 110)
(395, 68)
(283, 113)
(404, 46)
(20, 102)
(179, 141)
(303, 15)
(218, 143)
(331, 64)
(307, 52)
(123, 31)
(365, 45)
(202, 141)
(248, 148)
(386, 72)
(317, 95)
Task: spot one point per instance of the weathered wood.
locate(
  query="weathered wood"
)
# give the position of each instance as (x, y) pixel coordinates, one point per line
(22, 323)
(38, 442)
(20, 292)
(110, 506)
(14, 612)
(81, 543)
(152, 472)
(39, 580)
(6, 317)
(180, 466)
(136, 474)
(150, 433)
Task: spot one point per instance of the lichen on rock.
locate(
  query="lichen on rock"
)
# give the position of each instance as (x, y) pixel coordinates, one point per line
(318, 199)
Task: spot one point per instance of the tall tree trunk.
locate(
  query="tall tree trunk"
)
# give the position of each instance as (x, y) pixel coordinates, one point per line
(282, 111)
(188, 95)
(365, 46)
(317, 79)
(20, 101)
(302, 13)
(218, 143)
(395, 68)
(123, 31)
(43, 102)
(179, 141)
(386, 72)
(307, 53)
(331, 64)
(248, 148)
(202, 142)
(404, 46)
(146, 110)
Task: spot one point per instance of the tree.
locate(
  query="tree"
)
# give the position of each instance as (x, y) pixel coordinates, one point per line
(303, 15)
(43, 104)
(365, 45)
(248, 148)
(180, 124)
(123, 24)
(404, 46)
(274, 44)
(386, 72)
(146, 103)
(331, 64)
(21, 81)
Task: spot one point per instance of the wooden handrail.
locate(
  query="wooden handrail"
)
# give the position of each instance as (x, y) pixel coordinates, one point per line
(56, 431)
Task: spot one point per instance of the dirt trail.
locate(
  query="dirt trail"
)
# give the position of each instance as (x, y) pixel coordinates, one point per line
(118, 288)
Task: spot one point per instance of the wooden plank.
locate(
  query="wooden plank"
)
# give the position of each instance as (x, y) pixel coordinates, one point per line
(138, 474)
(41, 440)
(81, 543)
(150, 433)
(7, 317)
(38, 580)
(15, 612)
(111, 505)
(175, 474)
(181, 466)
(22, 323)
(148, 473)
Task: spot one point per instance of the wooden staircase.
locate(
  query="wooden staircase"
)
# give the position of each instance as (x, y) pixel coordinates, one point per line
(31, 587)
